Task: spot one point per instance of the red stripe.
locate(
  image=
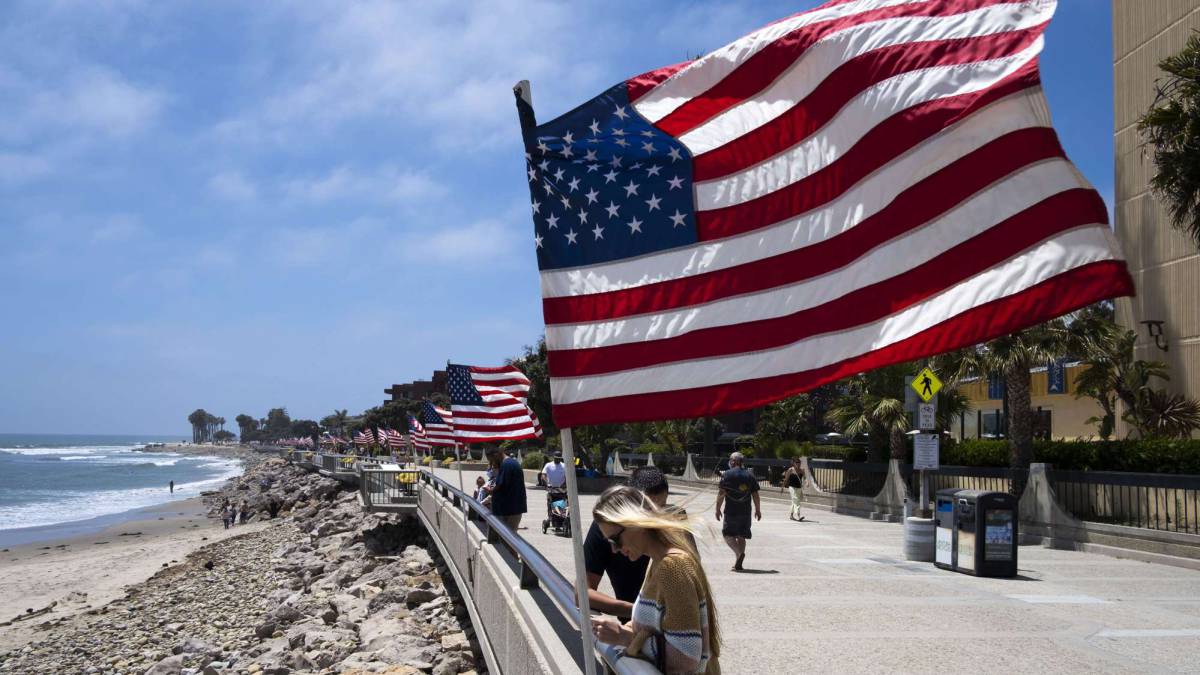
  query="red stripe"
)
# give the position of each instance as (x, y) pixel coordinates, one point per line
(917, 205)
(1054, 297)
(496, 384)
(762, 69)
(1064, 211)
(887, 141)
(489, 439)
(848, 81)
(637, 87)
(492, 370)
(495, 427)
(489, 416)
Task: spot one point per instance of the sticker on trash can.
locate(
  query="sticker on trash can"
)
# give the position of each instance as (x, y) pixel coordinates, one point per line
(998, 535)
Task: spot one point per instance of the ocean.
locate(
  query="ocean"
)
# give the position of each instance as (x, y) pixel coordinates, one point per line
(49, 479)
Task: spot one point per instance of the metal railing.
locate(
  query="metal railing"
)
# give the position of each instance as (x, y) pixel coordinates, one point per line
(996, 479)
(535, 571)
(388, 487)
(1153, 501)
(859, 479)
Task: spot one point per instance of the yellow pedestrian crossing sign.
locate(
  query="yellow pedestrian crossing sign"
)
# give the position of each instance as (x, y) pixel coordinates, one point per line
(926, 384)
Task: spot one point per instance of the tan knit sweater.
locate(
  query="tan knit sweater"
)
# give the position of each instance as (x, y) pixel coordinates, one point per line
(672, 602)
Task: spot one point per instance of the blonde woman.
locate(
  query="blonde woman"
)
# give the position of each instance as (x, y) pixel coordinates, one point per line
(674, 621)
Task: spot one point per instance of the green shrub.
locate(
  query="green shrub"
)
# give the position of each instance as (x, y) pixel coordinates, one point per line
(790, 449)
(652, 449)
(533, 460)
(976, 452)
(1131, 455)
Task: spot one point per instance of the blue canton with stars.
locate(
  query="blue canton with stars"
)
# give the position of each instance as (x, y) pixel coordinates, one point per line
(460, 387)
(429, 414)
(607, 185)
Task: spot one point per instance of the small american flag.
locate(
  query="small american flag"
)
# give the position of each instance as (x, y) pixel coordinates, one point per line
(417, 433)
(395, 439)
(439, 424)
(489, 404)
(866, 183)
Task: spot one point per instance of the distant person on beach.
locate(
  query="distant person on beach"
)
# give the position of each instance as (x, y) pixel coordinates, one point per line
(226, 514)
(172, 487)
(738, 487)
(245, 513)
(793, 480)
(508, 494)
(674, 623)
(625, 575)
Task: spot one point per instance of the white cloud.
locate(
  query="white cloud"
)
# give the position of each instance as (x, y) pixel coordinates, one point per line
(17, 168)
(233, 186)
(484, 240)
(385, 184)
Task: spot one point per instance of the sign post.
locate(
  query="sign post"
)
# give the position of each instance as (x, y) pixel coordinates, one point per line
(925, 445)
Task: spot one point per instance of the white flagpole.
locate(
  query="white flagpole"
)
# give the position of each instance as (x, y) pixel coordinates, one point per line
(528, 122)
(581, 585)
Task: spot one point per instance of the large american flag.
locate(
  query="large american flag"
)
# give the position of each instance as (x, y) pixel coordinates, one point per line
(364, 437)
(439, 424)
(395, 439)
(417, 433)
(489, 404)
(866, 183)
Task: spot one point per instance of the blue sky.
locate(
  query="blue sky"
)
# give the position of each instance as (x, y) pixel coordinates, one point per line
(238, 206)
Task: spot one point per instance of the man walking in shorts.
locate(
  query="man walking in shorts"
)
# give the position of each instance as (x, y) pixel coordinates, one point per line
(737, 489)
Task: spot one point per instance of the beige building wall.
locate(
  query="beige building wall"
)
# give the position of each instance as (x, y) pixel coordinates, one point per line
(1068, 415)
(1164, 262)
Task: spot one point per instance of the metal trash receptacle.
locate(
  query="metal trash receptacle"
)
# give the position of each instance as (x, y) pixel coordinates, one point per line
(945, 528)
(985, 533)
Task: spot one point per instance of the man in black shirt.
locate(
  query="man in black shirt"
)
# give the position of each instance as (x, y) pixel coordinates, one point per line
(737, 488)
(625, 575)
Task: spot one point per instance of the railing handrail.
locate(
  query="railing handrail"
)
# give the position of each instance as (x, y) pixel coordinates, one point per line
(557, 587)
(1164, 480)
(867, 467)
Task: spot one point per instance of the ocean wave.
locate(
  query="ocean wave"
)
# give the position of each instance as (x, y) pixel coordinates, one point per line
(69, 450)
(73, 458)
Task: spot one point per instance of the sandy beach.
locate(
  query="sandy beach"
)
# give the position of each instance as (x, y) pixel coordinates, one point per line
(100, 565)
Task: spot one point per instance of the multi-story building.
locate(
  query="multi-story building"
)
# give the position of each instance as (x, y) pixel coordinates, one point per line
(418, 389)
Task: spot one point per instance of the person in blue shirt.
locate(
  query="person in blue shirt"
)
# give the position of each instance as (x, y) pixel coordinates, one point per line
(508, 493)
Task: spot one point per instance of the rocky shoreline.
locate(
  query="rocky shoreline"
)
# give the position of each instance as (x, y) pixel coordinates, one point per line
(323, 588)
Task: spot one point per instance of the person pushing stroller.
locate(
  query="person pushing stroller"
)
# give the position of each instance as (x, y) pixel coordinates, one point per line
(554, 476)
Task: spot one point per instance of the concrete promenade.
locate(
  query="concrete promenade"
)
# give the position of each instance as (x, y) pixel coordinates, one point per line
(834, 594)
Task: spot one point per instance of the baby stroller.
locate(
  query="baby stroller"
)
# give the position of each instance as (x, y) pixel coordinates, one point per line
(557, 512)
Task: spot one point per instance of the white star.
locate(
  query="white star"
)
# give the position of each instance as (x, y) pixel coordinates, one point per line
(566, 151)
(537, 240)
(582, 216)
(653, 202)
(593, 167)
(653, 170)
(595, 127)
(568, 138)
(622, 142)
(532, 174)
(571, 235)
(552, 221)
(542, 146)
(610, 177)
(549, 188)
(566, 202)
(678, 219)
(612, 210)
(673, 153)
(616, 161)
(574, 184)
(598, 231)
(558, 175)
(648, 147)
(591, 195)
(537, 206)
(544, 165)
(648, 134)
(631, 189)
(590, 156)
(618, 131)
(676, 183)
(620, 112)
(635, 225)
(636, 166)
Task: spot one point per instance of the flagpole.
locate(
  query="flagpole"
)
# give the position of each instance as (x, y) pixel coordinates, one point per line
(524, 100)
(461, 487)
(581, 586)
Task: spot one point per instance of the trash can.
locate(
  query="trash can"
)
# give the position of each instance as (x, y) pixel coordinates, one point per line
(985, 534)
(945, 527)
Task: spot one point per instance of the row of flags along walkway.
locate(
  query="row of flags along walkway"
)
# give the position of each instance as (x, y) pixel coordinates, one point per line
(865, 183)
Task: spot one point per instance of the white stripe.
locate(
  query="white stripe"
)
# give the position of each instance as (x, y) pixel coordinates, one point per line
(891, 258)
(699, 76)
(503, 434)
(484, 422)
(517, 408)
(1019, 111)
(504, 375)
(859, 116)
(518, 392)
(1054, 256)
(833, 51)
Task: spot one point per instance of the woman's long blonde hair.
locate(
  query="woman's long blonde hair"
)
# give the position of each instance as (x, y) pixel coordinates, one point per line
(628, 507)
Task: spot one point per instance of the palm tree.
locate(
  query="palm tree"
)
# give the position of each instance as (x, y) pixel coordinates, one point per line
(1170, 129)
(873, 404)
(198, 419)
(1011, 356)
(339, 420)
